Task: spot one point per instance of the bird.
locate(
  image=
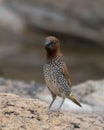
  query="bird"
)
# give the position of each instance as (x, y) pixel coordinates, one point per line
(56, 74)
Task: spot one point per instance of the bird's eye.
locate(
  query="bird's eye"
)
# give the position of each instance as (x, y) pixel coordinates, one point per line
(54, 43)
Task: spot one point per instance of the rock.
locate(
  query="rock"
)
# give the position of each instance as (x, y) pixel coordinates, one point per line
(90, 93)
(31, 114)
(84, 19)
(21, 88)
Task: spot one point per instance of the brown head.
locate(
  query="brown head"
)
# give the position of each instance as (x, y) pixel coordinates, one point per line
(52, 47)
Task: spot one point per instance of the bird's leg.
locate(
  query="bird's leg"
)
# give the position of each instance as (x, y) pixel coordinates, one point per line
(61, 105)
(51, 104)
(54, 97)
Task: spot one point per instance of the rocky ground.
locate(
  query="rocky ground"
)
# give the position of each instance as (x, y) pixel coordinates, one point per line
(90, 93)
(29, 109)
(17, 113)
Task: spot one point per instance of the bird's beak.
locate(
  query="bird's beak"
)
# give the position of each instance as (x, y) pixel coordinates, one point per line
(47, 43)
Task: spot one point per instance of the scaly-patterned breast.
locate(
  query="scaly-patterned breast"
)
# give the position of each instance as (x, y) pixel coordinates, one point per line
(55, 79)
(51, 73)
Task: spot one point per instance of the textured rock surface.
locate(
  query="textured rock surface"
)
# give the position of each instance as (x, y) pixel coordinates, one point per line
(27, 114)
(90, 93)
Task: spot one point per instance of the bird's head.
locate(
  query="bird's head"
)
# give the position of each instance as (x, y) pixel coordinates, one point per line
(52, 47)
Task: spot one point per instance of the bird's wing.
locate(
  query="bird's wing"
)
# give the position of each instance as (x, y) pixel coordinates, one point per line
(66, 74)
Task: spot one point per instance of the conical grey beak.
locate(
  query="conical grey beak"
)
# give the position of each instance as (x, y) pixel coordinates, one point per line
(47, 42)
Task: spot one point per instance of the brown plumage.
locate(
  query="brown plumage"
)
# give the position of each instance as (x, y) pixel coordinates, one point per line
(56, 73)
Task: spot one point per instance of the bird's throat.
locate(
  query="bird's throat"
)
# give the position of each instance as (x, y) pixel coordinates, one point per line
(51, 56)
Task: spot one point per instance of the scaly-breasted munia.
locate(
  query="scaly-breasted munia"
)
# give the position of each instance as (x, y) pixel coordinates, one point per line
(56, 73)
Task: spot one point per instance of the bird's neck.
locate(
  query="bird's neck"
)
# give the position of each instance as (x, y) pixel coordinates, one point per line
(51, 56)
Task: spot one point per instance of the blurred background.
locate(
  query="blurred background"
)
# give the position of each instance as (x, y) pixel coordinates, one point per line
(79, 25)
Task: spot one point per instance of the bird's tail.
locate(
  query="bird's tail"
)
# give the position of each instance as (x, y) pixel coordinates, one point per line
(74, 99)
